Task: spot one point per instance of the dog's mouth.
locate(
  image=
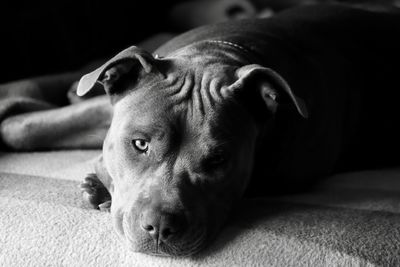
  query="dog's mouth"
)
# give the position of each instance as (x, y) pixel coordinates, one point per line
(191, 242)
(182, 248)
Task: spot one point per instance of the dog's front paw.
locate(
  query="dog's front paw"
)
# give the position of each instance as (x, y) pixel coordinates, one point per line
(95, 193)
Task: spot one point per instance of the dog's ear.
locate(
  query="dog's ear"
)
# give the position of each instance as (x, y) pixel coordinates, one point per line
(269, 85)
(132, 60)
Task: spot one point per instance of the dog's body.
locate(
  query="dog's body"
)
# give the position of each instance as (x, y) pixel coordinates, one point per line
(238, 106)
(341, 61)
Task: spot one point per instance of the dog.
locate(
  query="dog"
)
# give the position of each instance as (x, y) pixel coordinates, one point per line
(238, 108)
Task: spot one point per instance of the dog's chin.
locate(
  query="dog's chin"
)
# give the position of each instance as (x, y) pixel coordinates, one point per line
(183, 247)
(166, 250)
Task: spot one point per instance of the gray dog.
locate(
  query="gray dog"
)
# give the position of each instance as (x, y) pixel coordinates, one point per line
(251, 106)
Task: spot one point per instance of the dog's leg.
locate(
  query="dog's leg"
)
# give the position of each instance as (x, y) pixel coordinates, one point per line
(97, 188)
(82, 125)
(95, 193)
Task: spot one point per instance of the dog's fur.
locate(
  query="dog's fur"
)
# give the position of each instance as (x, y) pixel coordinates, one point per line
(239, 107)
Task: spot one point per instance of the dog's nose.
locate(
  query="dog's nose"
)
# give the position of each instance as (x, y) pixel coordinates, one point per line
(162, 225)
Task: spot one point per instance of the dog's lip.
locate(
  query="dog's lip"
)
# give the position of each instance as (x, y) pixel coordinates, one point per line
(119, 220)
(194, 248)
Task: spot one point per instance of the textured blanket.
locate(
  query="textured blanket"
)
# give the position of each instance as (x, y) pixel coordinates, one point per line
(348, 220)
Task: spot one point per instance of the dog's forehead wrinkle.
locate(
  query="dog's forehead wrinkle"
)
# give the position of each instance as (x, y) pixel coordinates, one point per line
(184, 88)
(202, 68)
(206, 81)
(192, 90)
(206, 98)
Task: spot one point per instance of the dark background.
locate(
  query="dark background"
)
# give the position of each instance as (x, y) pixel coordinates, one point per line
(44, 37)
(47, 37)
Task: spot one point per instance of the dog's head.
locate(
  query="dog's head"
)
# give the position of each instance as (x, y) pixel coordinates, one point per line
(181, 143)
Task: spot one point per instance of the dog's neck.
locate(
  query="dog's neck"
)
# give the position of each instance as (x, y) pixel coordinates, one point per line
(215, 52)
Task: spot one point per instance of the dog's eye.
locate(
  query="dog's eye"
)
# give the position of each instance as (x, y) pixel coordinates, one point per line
(141, 145)
(217, 160)
(212, 163)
